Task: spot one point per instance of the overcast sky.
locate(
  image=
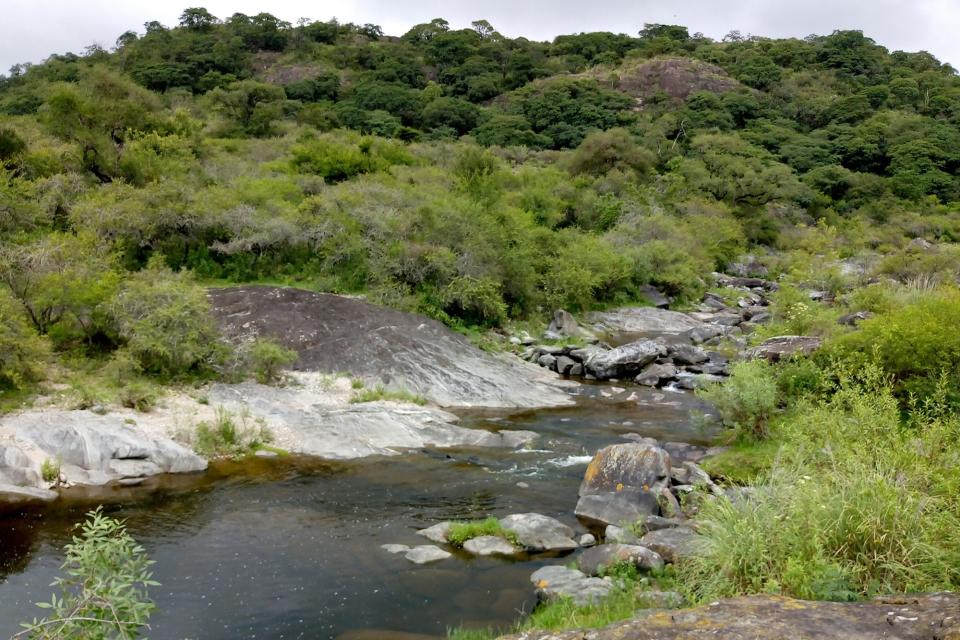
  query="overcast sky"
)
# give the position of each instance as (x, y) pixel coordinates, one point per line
(33, 29)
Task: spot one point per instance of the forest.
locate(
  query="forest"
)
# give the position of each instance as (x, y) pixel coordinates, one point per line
(485, 181)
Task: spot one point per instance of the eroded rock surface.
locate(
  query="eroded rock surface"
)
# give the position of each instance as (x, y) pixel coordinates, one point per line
(335, 334)
(537, 532)
(643, 320)
(553, 582)
(926, 617)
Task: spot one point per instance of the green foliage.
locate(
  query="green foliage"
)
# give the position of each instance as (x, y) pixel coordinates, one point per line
(336, 161)
(250, 107)
(747, 401)
(229, 436)
(164, 319)
(382, 394)
(104, 594)
(476, 300)
(460, 532)
(50, 470)
(267, 358)
(21, 349)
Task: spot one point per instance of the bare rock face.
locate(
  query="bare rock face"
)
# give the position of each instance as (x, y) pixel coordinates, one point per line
(335, 334)
(623, 362)
(676, 77)
(537, 532)
(783, 347)
(644, 320)
(923, 617)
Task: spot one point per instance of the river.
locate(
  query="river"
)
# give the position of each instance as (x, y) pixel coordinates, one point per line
(290, 548)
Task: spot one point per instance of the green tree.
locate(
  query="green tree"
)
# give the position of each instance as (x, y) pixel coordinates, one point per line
(249, 106)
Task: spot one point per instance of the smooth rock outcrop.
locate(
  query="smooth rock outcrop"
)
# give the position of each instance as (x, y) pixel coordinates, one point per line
(400, 350)
(606, 556)
(625, 361)
(644, 320)
(553, 582)
(537, 532)
(96, 449)
(489, 546)
(909, 617)
(358, 430)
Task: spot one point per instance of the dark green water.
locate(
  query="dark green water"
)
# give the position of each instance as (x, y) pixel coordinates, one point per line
(290, 548)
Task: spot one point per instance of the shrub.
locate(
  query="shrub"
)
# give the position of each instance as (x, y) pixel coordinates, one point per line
(747, 400)
(166, 322)
(50, 470)
(476, 300)
(230, 436)
(21, 349)
(267, 357)
(105, 591)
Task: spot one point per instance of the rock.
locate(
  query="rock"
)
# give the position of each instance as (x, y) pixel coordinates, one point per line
(565, 365)
(625, 361)
(576, 370)
(334, 334)
(921, 245)
(701, 334)
(95, 449)
(906, 617)
(266, 453)
(673, 544)
(656, 523)
(747, 283)
(425, 554)
(655, 297)
(16, 468)
(537, 532)
(593, 561)
(614, 534)
(853, 319)
(357, 430)
(783, 347)
(13, 497)
(747, 268)
(438, 532)
(548, 361)
(656, 375)
(585, 353)
(564, 324)
(552, 335)
(587, 540)
(395, 548)
(669, 505)
(660, 600)
(618, 508)
(632, 465)
(489, 546)
(554, 582)
(688, 354)
(646, 320)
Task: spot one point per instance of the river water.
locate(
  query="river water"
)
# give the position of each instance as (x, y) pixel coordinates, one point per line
(289, 548)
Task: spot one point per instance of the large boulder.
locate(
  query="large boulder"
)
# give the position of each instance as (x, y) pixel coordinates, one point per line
(94, 449)
(333, 334)
(673, 543)
(909, 617)
(554, 582)
(617, 508)
(621, 483)
(597, 559)
(537, 532)
(644, 320)
(784, 347)
(358, 430)
(625, 361)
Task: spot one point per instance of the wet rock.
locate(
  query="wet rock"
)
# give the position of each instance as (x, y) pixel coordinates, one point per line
(547, 361)
(13, 497)
(656, 375)
(576, 370)
(617, 508)
(425, 554)
(688, 354)
(489, 546)
(395, 548)
(625, 361)
(673, 544)
(783, 347)
(909, 617)
(335, 334)
(605, 556)
(554, 582)
(438, 533)
(643, 320)
(537, 532)
(565, 365)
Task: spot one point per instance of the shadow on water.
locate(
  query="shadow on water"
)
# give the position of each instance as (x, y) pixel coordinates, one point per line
(289, 548)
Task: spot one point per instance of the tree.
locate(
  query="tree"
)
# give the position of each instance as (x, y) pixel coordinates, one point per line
(197, 18)
(21, 349)
(458, 114)
(104, 594)
(251, 107)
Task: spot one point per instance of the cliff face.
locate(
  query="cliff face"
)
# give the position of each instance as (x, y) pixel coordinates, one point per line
(927, 617)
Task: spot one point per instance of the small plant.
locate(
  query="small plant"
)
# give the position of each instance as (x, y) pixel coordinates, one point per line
(230, 436)
(267, 358)
(380, 393)
(50, 470)
(104, 594)
(139, 395)
(460, 532)
(356, 383)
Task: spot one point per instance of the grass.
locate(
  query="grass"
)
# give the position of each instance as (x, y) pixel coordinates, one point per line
(742, 463)
(460, 532)
(50, 470)
(380, 393)
(229, 436)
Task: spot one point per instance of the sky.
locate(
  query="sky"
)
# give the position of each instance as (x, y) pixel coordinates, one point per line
(33, 29)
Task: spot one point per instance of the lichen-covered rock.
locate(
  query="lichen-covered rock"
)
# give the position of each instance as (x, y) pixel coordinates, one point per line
(557, 582)
(673, 544)
(616, 508)
(644, 320)
(910, 617)
(537, 532)
(593, 561)
(625, 361)
(631, 465)
(783, 347)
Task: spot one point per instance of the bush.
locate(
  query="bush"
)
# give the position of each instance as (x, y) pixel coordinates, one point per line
(105, 591)
(166, 321)
(229, 436)
(266, 357)
(476, 300)
(747, 400)
(21, 349)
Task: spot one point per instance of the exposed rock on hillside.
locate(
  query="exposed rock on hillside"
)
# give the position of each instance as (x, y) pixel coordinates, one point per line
(676, 77)
(930, 617)
(337, 334)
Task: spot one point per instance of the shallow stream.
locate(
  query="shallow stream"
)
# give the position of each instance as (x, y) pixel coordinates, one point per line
(290, 548)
